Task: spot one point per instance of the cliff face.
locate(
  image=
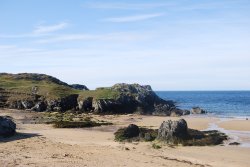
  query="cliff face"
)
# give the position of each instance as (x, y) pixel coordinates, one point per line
(39, 92)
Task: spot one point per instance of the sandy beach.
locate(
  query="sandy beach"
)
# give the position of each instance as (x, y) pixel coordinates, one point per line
(42, 145)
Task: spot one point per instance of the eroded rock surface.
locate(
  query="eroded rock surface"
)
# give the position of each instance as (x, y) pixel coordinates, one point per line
(170, 131)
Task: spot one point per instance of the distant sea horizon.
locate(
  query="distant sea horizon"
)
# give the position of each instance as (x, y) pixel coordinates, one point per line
(220, 103)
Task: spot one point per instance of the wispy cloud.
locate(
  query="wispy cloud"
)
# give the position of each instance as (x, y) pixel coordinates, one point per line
(133, 18)
(119, 36)
(41, 29)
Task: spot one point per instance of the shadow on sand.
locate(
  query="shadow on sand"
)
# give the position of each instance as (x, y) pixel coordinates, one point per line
(18, 136)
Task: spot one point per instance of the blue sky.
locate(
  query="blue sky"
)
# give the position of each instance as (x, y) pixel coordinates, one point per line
(170, 45)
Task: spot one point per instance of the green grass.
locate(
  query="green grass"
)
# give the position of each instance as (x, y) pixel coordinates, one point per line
(99, 94)
(51, 90)
(45, 88)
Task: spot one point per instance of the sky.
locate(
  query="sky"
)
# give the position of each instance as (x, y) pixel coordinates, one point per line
(168, 44)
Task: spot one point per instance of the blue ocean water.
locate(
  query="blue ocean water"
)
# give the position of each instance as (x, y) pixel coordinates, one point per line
(218, 103)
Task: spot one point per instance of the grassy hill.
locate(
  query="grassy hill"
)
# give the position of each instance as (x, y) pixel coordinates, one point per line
(46, 86)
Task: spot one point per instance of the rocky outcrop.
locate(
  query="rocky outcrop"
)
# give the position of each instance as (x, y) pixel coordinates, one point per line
(63, 104)
(85, 105)
(7, 126)
(40, 106)
(135, 96)
(197, 110)
(79, 87)
(130, 98)
(106, 106)
(171, 131)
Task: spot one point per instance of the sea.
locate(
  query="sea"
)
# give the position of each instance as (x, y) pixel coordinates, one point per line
(226, 104)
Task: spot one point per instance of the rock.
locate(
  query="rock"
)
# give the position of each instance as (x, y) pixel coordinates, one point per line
(131, 131)
(177, 112)
(197, 110)
(172, 131)
(106, 105)
(85, 105)
(234, 143)
(40, 106)
(27, 104)
(63, 104)
(34, 90)
(186, 112)
(79, 87)
(15, 104)
(134, 98)
(162, 110)
(148, 137)
(7, 126)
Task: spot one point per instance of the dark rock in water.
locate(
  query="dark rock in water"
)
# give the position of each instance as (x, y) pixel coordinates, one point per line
(197, 110)
(79, 87)
(234, 143)
(7, 126)
(85, 105)
(170, 131)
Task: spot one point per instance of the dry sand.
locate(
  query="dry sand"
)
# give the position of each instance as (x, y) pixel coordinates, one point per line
(241, 125)
(42, 145)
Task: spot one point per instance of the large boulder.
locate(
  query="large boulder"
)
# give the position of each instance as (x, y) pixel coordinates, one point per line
(173, 131)
(197, 110)
(7, 126)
